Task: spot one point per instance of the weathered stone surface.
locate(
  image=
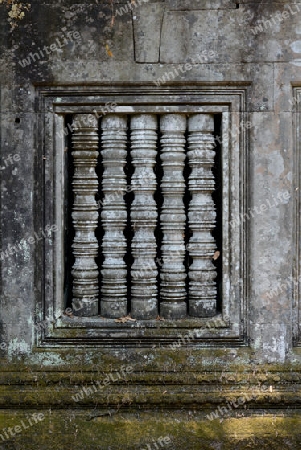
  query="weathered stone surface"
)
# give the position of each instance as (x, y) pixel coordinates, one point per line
(202, 216)
(200, 4)
(173, 293)
(85, 215)
(171, 389)
(144, 216)
(114, 217)
(188, 35)
(147, 23)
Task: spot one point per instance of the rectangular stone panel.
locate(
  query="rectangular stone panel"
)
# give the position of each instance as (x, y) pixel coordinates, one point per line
(201, 4)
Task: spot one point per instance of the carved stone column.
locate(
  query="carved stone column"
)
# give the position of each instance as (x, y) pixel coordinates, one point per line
(114, 216)
(202, 272)
(85, 215)
(173, 292)
(144, 217)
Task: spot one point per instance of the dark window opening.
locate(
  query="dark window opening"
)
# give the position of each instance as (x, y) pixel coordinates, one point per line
(218, 201)
(69, 200)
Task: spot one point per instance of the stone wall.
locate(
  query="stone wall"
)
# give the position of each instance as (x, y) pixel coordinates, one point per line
(154, 397)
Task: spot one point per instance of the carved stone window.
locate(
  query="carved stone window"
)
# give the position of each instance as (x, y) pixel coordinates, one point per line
(146, 198)
(170, 145)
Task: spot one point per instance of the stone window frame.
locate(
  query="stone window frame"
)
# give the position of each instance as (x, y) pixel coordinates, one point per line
(53, 103)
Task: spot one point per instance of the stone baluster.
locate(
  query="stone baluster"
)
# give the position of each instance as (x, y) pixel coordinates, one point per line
(114, 216)
(173, 288)
(85, 215)
(144, 217)
(202, 216)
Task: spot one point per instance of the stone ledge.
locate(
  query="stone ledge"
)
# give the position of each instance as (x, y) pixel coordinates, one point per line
(117, 429)
(264, 387)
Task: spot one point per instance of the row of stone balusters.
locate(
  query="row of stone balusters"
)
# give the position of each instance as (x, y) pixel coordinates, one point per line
(144, 214)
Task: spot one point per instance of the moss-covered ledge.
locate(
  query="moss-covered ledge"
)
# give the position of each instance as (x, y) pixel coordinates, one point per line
(136, 380)
(201, 398)
(122, 430)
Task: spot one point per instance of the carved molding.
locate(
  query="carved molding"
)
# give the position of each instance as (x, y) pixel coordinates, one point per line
(114, 216)
(173, 288)
(201, 215)
(141, 98)
(144, 217)
(85, 215)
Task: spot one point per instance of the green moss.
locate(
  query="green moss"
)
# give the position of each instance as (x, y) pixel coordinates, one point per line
(117, 429)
